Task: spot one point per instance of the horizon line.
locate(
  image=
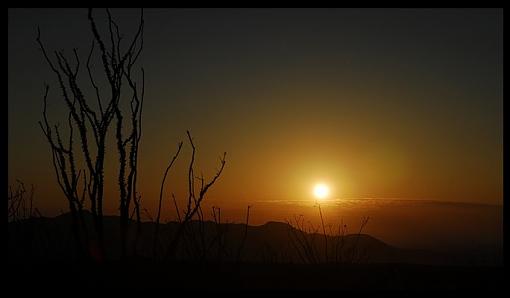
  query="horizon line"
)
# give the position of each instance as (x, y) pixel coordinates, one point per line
(381, 199)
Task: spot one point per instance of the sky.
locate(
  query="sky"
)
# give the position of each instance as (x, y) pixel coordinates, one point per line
(386, 104)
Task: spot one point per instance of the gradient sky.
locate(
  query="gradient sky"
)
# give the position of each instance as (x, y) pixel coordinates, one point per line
(381, 103)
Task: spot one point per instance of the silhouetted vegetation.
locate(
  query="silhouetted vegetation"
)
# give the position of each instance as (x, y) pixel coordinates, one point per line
(193, 207)
(332, 248)
(19, 206)
(288, 252)
(93, 123)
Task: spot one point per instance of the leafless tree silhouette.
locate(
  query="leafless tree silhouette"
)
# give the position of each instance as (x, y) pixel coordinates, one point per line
(19, 207)
(156, 231)
(93, 122)
(194, 201)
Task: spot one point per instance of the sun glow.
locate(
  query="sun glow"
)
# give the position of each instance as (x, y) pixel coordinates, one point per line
(321, 191)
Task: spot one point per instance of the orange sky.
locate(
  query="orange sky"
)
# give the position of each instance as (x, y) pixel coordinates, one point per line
(352, 98)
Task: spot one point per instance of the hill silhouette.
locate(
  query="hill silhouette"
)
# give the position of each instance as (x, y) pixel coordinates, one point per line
(273, 242)
(40, 254)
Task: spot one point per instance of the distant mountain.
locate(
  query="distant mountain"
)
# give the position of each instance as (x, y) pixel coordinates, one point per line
(273, 242)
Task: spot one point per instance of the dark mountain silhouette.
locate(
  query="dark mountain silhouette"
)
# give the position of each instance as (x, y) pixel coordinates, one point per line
(273, 242)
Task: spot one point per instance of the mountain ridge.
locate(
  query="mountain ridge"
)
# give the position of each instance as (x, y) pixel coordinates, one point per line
(274, 241)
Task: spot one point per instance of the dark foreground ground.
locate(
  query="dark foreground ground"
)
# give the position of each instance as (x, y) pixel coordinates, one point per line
(146, 274)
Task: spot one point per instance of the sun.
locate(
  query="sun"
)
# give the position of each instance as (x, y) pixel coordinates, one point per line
(321, 191)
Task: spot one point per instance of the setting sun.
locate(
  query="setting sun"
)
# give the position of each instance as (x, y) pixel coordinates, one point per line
(286, 149)
(321, 191)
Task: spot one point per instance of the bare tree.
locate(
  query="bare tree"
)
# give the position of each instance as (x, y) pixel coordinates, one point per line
(122, 64)
(93, 124)
(156, 231)
(194, 201)
(19, 207)
(65, 167)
